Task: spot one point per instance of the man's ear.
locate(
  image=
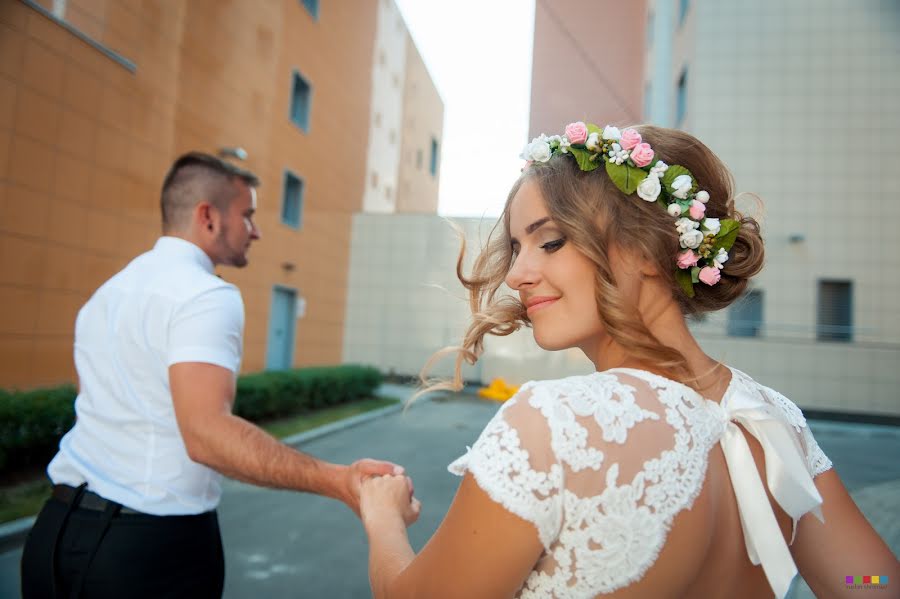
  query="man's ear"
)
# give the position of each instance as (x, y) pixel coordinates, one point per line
(204, 215)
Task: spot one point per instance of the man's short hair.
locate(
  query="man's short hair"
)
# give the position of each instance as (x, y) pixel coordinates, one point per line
(195, 177)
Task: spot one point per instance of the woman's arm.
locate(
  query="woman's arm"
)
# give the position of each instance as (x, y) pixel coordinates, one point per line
(479, 550)
(845, 545)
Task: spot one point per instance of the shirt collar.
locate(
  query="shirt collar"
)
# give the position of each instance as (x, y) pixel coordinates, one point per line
(183, 247)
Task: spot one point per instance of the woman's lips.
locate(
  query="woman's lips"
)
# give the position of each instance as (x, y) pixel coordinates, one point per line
(539, 304)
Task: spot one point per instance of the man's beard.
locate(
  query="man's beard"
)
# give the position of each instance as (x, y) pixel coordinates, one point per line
(230, 256)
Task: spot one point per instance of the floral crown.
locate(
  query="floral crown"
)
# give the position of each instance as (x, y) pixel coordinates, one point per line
(632, 167)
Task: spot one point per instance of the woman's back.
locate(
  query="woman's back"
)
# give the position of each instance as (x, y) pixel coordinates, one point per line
(624, 476)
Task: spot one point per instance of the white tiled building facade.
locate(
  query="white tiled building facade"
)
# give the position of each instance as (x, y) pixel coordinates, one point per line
(800, 99)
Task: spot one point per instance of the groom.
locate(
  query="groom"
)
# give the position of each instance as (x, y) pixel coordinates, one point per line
(158, 349)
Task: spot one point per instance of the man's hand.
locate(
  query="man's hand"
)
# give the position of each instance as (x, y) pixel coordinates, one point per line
(360, 470)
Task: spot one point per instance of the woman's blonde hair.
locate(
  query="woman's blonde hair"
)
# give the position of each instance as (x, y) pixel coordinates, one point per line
(593, 213)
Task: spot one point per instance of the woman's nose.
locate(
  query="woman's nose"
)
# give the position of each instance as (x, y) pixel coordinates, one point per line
(521, 274)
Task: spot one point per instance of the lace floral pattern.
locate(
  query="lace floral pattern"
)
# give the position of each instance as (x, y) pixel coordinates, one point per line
(556, 454)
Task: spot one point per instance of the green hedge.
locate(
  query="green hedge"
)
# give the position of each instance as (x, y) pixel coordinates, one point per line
(32, 422)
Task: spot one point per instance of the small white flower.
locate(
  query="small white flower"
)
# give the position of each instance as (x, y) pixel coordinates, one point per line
(564, 145)
(681, 186)
(691, 239)
(611, 133)
(702, 196)
(720, 258)
(649, 189)
(659, 168)
(593, 142)
(712, 225)
(617, 147)
(673, 209)
(683, 225)
(539, 150)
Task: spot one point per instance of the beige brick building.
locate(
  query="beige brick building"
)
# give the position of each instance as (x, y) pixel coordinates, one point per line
(97, 98)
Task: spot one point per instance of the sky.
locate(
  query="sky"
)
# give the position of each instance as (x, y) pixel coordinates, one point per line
(478, 53)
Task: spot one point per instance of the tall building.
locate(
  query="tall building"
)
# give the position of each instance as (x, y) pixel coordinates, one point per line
(406, 122)
(799, 99)
(588, 63)
(98, 98)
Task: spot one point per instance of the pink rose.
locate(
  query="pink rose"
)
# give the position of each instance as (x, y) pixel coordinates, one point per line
(686, 259)
(629, 139)
(576, 133)
(710, 275)
(641, 155)
(697, 210)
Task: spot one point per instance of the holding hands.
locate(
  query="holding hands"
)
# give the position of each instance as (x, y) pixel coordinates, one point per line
(388, 500)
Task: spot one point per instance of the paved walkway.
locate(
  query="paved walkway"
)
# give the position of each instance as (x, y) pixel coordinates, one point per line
(284, 544)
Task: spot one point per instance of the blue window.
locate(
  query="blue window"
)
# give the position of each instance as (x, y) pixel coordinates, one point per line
(434, 157)
(301, 96)
(312, 7)
(682, 11)
(745, 317)
(292, 200)
(681, 98)
(834, 319)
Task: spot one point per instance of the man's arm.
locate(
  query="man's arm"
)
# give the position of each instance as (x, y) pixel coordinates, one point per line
(203, 395)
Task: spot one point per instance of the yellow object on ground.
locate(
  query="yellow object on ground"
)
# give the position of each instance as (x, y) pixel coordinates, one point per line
(498, 390)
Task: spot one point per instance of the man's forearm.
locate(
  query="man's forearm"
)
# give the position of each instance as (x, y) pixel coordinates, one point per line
(241, 450)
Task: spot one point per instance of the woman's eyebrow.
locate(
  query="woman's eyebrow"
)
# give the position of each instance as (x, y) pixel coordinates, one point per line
(532, 228)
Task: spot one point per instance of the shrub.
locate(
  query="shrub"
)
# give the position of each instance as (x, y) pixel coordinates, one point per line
(32, 422)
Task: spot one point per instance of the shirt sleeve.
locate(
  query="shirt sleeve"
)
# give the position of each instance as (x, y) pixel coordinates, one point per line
(209, 328)
(513, 462)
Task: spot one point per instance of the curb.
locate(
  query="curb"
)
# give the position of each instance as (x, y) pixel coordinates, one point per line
(12, 534)
(327, 429)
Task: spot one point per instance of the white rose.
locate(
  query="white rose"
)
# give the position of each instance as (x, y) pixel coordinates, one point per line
(649, 189)
(712, 225)
(720, 258)
(681, 186)
(611, 133)
(683, 225)
(593, 142)
(539, 150)
(674, 209)
(691, 239)
(702, 196)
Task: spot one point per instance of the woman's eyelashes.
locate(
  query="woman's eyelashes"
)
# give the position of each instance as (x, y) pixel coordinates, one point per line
(552, 246)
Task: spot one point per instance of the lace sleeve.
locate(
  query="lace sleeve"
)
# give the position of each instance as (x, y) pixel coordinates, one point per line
(512, 461)
(816, 460)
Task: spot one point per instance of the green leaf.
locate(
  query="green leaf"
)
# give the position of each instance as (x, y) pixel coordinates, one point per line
(627, 178)
(592, 128)
(684, 280)
(674, 171)
(583, 157)
(728, 232)
(695, 274)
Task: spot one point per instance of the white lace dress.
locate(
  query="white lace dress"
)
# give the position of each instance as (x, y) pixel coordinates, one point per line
(601, 465)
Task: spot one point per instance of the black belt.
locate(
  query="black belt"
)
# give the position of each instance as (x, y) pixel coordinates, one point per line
(88, 500)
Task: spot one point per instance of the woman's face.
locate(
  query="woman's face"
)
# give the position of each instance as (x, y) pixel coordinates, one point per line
(555, 281)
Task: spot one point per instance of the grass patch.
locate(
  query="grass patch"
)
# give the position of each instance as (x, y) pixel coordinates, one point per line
(285, 427)
(23, 499)
(26, 498)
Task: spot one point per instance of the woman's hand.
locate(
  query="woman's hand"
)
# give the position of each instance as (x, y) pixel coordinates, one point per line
(387, 498)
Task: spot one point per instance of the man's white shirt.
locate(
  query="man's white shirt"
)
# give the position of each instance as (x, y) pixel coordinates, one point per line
(167, 306)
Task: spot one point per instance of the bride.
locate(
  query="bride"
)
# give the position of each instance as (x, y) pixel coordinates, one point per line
(663, 474)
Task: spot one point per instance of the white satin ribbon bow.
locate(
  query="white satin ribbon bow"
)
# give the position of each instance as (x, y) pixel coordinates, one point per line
(788, 480)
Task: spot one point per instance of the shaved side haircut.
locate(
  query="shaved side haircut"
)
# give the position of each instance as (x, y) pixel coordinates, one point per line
(196, 177)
